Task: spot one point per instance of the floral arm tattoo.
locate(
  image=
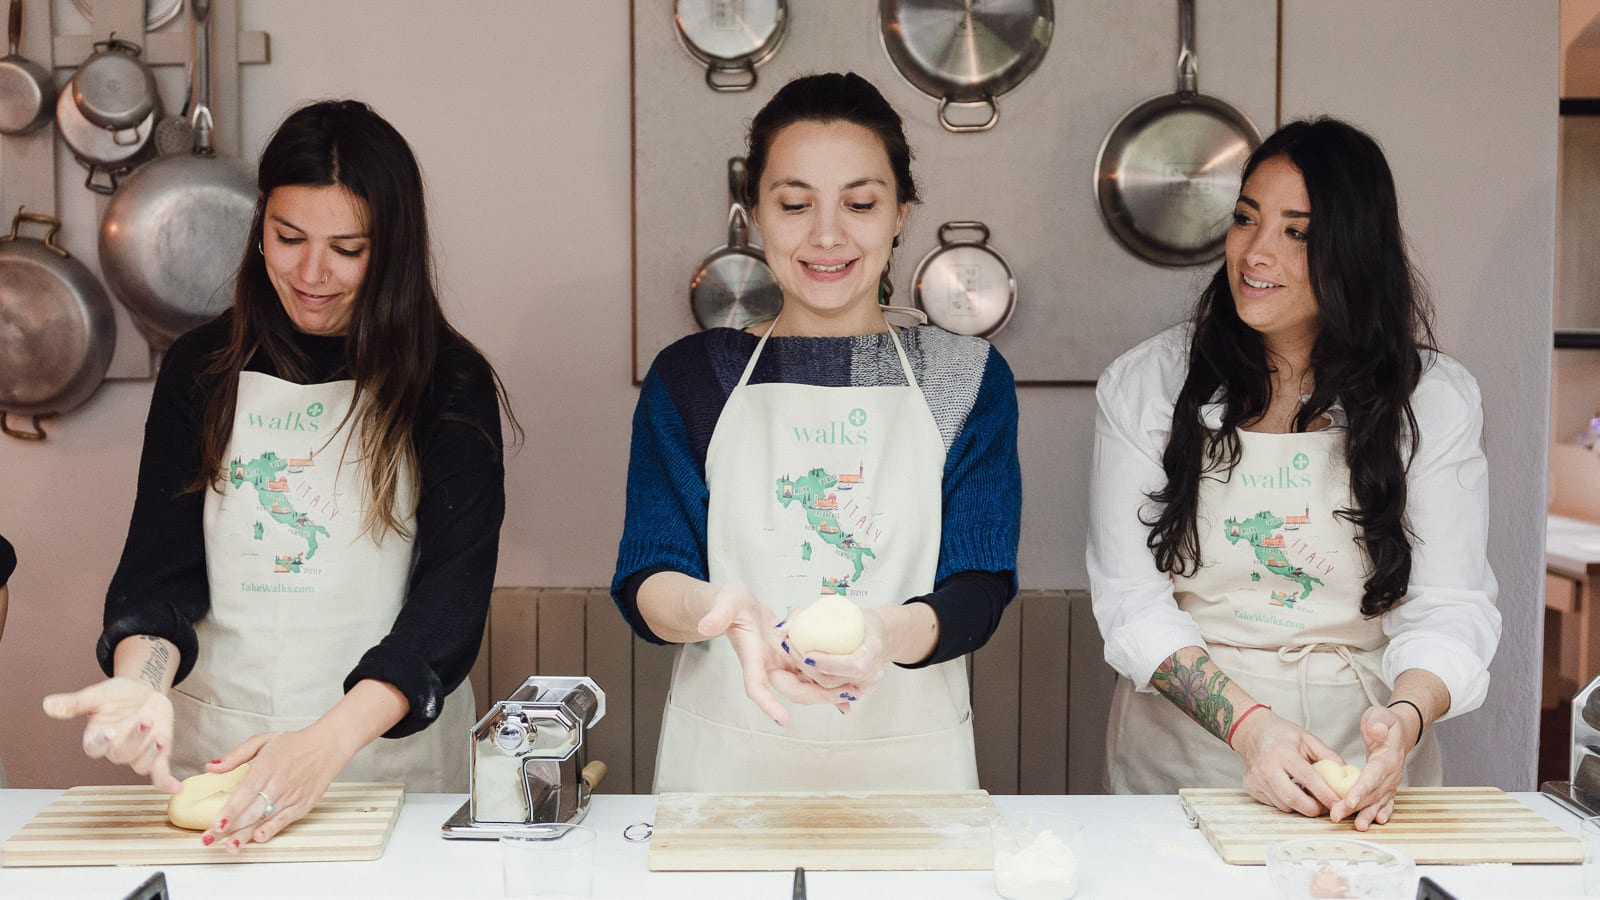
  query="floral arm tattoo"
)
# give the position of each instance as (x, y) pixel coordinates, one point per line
(155, 665)
(1199, 695)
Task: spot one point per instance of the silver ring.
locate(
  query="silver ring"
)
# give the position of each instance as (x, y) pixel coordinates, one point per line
(638, 832)
(270, 808)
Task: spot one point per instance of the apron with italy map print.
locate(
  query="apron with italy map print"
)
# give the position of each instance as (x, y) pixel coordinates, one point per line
(1278, 601)
(818, 491)
(300, 591)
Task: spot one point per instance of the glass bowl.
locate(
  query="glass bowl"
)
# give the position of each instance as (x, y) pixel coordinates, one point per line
(1307, 868)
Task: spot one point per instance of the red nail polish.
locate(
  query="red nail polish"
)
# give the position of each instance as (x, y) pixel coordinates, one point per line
(208, 840)
(161, 745)
(223, 823)
(216, 762)
(235, 843)
(143, 727)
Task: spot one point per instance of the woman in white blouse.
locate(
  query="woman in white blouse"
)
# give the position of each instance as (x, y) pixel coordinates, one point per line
(1290, 507)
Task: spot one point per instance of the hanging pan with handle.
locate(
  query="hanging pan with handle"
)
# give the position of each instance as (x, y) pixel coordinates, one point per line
(56, 328)
(112, 150)
(114, 88)
(172, 235)
(960, 52)
(734, 286)
(26, 88)
(965, 286)
(731, 37)
(1167, 175)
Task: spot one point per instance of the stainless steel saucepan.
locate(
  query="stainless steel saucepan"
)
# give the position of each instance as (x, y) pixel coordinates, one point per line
(26, 88)
(114, 89)
(57, 332)
(731, 37)
(961, 52)
(1167, 175)
(965, 286)
(173, 234)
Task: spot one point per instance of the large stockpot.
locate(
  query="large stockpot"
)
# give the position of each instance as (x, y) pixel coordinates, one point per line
(965, 286)
(731, 37)
(26, 88)
(57, 332)
(961, 52)
(1167, 175)
(173, 234)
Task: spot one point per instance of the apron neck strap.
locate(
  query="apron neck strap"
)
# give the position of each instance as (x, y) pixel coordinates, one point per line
(900, 351)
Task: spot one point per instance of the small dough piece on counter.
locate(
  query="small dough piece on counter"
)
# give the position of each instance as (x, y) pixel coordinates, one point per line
(1340, 778)
(830, 625)
(197, 806)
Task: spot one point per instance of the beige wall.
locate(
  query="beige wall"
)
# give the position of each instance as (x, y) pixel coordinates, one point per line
(526, 147)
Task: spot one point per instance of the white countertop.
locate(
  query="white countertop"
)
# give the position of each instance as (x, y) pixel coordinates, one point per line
(1134, 847)
(1571, 545)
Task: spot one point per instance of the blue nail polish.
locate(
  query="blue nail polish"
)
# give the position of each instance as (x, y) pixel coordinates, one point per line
(785, 646)
(844, 696)
(780, 624)
(811, 662)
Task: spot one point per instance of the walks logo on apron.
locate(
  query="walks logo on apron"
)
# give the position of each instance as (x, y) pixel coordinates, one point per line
(292, 514)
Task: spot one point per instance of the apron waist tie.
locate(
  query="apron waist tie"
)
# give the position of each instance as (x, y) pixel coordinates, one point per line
(1301, 657)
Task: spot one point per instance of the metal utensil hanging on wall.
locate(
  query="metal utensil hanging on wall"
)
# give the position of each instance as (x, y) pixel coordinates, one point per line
(156, 12)
(57, 332)
(733, 286)
(731, 37)
(965, 286)
(26, 88)
(1167, 175)
(114, 151)
(172, 236)
(964, 54)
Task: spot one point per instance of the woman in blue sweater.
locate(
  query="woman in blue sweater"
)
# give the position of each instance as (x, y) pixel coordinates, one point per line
(823, 452)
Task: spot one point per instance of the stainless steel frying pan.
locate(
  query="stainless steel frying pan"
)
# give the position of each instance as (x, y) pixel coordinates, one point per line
(1167, 175)
(26, 88)
(731, 37)
(961, 52)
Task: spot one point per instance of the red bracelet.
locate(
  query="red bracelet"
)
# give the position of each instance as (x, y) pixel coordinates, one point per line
(1241, 719)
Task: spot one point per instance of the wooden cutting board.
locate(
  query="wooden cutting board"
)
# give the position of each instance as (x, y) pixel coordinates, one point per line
(126, 825)
(822, 831)
(1447, 825)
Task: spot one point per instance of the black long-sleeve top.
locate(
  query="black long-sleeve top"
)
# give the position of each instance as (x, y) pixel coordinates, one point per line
(160, 585)
(8, 560)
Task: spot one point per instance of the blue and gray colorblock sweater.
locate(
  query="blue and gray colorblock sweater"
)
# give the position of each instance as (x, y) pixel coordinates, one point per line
(970, 391)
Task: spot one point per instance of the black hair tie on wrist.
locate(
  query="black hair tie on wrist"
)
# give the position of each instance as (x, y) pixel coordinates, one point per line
(1422, 724)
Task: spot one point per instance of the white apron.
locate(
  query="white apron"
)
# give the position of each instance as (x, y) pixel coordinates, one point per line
(299, 591)
(1278, 602)
(817, 490)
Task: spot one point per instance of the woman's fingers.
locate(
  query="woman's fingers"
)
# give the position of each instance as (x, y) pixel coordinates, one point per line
(243, 752)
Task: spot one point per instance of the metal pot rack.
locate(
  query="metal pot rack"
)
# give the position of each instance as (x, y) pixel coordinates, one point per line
(29, 163)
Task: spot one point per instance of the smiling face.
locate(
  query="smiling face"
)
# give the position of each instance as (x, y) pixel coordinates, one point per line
(1266, 255)
(315, 244)
(828, 218)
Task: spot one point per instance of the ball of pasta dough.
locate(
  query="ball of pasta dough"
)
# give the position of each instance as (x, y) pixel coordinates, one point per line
(198, 805)
(1340, 778)
(830, 625)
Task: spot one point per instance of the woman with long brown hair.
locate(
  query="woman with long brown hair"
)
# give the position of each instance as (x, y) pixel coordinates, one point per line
(314, 537)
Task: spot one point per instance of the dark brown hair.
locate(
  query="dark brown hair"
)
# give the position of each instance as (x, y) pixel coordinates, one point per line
(396, 327)
(833, 98)
(1374, 320)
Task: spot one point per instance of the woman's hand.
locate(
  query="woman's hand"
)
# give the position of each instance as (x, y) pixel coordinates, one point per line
(292, 768)
(848, 675)
(1277, 764)
(756, 637)
(1371, 798)
(129, 723)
